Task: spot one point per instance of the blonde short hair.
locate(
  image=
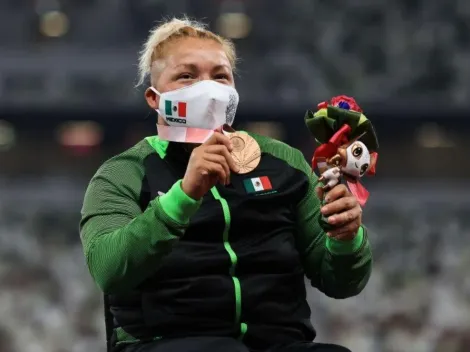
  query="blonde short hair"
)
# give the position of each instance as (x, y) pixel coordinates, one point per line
(174, 29)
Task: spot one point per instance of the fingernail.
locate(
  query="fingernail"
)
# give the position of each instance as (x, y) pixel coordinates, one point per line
(331, 219)
(324, 210)
(327, 199)
(328, 234)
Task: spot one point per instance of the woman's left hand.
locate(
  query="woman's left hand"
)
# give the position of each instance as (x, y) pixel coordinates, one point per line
(343, 212)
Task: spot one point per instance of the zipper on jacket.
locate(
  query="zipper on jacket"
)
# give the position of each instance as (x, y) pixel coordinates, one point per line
(233, 261)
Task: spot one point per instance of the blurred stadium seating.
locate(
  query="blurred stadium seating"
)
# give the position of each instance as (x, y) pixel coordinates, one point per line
(68, 102)
(408, 51)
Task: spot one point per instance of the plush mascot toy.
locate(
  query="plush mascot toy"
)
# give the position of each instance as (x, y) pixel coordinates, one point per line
(348, 145)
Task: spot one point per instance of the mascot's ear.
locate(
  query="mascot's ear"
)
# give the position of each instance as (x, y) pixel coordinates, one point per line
(373, 162)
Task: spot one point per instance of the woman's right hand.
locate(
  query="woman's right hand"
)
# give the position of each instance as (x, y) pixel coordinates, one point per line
(209, 164)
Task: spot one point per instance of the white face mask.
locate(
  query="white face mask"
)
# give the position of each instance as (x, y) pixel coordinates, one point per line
(194, 112)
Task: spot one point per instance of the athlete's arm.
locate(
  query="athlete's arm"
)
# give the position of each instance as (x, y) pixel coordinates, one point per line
(122, 244)
(340, 269)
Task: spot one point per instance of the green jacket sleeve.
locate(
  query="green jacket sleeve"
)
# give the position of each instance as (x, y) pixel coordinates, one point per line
(340, 269)
(122, 244)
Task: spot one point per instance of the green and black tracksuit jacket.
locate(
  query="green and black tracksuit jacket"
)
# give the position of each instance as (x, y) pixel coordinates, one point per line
(231, 264)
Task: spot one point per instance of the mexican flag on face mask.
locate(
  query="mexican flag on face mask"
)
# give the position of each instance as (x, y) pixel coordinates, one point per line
(175, 108)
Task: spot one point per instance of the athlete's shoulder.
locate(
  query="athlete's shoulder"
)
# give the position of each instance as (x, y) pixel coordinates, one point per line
(128, 162)
(292, 156)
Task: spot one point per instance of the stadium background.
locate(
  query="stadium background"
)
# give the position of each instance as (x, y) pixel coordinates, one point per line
(68, 102)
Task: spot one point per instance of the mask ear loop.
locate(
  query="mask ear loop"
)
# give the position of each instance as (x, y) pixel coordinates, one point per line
(159, 94)
(155, 91)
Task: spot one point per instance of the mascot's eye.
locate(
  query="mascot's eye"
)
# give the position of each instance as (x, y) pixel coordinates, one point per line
(357, 151)
(364, 169)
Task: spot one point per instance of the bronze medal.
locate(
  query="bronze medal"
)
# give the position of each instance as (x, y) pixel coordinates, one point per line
(246, 152)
